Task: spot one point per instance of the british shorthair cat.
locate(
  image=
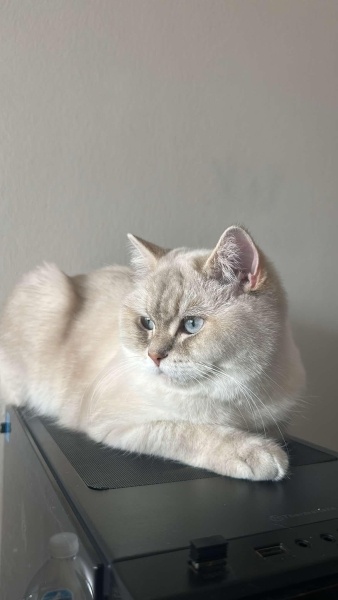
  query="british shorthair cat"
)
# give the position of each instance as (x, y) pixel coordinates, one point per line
(187, 355)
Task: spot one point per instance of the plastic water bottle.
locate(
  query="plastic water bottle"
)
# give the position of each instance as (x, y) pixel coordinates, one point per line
(62, 577)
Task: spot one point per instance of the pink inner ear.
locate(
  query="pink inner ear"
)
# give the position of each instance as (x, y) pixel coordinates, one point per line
(255, 261)
(235, 252)
(248, 257)
(252, 280)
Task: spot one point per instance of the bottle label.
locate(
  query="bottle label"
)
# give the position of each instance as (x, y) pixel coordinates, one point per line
(58, 595)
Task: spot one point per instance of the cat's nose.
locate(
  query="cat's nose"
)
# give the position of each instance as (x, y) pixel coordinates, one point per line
(156, 357)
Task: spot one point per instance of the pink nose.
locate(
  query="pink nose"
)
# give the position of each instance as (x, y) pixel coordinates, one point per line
(156, 357)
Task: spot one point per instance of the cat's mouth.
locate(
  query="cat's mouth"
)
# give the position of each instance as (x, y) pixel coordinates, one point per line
(176, 377)
(173, 373)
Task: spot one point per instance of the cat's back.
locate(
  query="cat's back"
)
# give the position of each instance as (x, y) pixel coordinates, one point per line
(99, 296)
(52, 320)
(46, 296)
(102, 287)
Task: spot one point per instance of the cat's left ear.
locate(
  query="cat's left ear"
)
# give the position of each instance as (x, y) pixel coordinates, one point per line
(144, 255)
(236, 255)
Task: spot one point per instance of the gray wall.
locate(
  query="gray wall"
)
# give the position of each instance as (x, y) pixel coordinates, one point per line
(174, 119)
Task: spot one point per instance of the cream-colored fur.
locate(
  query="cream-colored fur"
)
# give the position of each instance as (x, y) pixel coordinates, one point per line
(74, 349)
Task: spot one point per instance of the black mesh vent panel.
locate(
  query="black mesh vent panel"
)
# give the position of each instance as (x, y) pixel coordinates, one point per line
(102, 467)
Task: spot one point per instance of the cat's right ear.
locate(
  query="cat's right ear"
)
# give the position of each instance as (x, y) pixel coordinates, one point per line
(144, 255)
(236, 255)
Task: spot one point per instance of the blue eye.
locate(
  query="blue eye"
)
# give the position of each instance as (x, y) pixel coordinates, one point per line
(147, 323)
(192, 324)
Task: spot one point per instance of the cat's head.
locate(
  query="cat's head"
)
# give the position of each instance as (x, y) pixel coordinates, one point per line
(194, 312)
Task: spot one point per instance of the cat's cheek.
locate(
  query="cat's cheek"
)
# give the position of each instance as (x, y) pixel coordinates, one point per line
(134, 341)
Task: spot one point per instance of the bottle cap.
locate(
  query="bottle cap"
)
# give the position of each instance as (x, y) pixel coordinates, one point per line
(64, 545)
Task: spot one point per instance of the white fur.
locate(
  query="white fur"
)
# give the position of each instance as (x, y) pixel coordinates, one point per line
(217, 401)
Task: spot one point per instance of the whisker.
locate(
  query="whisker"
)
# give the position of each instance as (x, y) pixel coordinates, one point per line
(249, 395)
(102, 381)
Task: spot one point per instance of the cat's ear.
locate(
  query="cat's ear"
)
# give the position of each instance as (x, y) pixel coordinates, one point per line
(235, 255)
(144, 255)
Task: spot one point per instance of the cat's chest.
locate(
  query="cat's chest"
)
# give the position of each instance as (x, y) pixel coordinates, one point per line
(152, 400)
(133, 396)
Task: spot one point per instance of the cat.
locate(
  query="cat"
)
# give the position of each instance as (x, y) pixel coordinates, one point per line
(186, 355)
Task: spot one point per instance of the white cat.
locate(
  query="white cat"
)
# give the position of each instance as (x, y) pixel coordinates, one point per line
(189, 355)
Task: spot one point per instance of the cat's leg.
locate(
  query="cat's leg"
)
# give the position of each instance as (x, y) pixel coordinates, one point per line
(225, 451)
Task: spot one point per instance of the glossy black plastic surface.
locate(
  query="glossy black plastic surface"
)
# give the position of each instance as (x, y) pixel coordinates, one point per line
(144, 532)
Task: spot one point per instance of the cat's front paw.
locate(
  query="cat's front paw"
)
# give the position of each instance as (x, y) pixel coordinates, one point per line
(258, 459)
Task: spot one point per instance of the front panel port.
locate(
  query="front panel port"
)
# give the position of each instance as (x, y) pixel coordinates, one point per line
(269, 551)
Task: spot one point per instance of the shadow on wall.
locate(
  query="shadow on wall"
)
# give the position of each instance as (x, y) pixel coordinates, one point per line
(318, 418)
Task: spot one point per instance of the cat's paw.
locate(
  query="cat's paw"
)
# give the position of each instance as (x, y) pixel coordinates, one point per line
(258, 459)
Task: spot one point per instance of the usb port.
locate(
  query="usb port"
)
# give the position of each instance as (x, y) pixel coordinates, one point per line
(271, 551)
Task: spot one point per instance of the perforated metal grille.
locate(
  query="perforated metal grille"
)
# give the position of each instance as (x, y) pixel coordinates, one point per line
(102, 467)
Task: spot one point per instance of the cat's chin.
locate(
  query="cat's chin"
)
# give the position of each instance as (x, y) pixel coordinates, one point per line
(174, 379)
(170, 376)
